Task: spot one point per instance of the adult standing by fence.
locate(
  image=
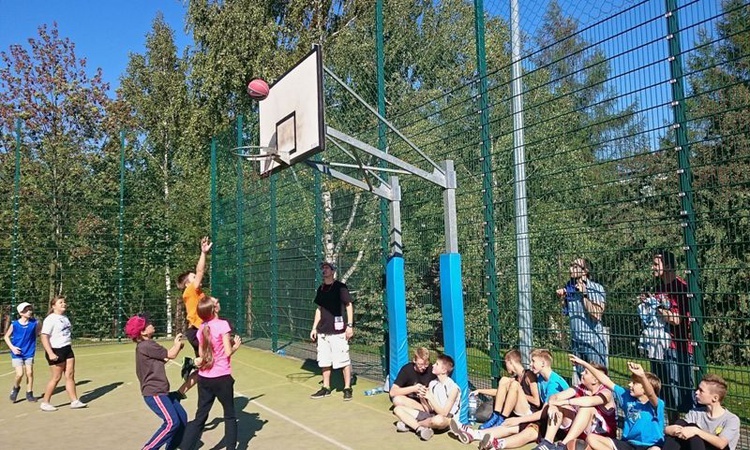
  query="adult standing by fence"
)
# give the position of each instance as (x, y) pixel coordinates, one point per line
(331, 332)
(584, 302)
(675, 369)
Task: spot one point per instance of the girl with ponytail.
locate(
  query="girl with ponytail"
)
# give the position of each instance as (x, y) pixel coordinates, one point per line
(215, 349)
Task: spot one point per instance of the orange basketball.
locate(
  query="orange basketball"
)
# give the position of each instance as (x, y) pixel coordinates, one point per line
(258, 89)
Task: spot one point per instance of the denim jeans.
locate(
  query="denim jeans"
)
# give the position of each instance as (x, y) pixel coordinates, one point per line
(676, 374)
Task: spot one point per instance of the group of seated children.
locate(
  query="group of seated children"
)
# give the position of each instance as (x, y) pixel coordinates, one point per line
(538, 406)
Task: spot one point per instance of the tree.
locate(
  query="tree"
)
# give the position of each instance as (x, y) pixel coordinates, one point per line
(64, 142)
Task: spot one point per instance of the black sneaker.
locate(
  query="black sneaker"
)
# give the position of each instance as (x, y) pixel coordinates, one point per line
(30, 397)
(347, 394)
(323, 392)
(187, 367)
(14, 394)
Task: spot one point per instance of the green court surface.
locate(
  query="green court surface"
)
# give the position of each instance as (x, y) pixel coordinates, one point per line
(272, 398)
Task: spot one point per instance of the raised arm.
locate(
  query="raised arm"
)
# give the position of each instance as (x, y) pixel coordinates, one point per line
(200, 267)
(176, 347)
(598, 374)
(638, 371)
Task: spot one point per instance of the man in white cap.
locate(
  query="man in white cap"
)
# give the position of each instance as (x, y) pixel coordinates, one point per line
(332, 331)
(21, 339)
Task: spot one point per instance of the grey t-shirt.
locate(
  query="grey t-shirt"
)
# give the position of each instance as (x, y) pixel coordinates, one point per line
(726, 426)
(150, 358)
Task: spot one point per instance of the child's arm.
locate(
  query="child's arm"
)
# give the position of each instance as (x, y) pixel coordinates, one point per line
(638, 371)
(439, 409)
(598, 374)
(587, 400)
(688, 432)
(229, 346)
(12, 347)
(48, 347)
(490, 392)
(534, 398)
(176, 347)
(200, 267)
(561, 398)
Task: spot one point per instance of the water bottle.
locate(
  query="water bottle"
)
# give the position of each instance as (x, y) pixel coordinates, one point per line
(472, 408)
(281, 352)
(374, 391)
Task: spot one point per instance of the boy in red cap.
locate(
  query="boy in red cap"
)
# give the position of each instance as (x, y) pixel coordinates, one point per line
(150, 358)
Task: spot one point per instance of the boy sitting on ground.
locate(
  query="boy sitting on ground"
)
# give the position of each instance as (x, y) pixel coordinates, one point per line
(709, 426)
(519, 431)
(588, 408)
(517, 394)
(441, 401)
(641, 406)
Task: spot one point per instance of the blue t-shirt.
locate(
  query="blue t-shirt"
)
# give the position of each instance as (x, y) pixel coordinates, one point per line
(548, 388)
(644, 424)
(24, 337)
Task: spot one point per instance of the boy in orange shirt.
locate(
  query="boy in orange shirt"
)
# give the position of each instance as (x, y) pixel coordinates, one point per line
(190, 283)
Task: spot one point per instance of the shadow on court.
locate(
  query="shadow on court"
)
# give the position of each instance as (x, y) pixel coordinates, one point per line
(61, 385)
(90, 396)
(248, 424)
(311, 370)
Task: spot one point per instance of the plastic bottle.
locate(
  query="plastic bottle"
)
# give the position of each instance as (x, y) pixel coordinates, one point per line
(472, 408)
(281, 352)
(374, 391)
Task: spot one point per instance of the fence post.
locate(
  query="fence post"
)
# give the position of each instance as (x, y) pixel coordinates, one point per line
(16, 194)
(240, 319)
(382, 146)
(523, 258)
(121, 232)
(490, 272)
(687, 213)
(214, 207)
(274, 254)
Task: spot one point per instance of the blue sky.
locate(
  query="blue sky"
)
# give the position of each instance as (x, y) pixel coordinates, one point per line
(104, 31)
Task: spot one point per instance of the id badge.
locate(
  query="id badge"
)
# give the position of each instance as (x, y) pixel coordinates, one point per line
(338, 323)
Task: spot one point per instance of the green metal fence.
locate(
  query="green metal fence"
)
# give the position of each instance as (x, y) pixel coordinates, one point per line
(626, 121)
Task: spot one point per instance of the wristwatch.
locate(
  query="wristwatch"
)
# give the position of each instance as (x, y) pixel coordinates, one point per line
(350, 325)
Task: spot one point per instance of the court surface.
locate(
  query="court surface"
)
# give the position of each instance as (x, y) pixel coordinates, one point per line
(272, 398)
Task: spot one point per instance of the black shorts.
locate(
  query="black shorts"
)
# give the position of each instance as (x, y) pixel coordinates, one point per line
(63, 354)
(191, 334)
(623, 445)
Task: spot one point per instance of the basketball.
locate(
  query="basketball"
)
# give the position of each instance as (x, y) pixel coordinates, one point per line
(258, 89)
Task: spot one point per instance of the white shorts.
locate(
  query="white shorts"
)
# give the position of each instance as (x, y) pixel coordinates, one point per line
(333, 350)
(20, 362)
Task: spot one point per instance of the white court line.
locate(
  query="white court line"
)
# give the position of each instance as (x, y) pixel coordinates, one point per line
(294, 422)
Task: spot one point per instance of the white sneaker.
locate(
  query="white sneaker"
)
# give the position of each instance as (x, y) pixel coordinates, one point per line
(425, 433)
(77, 404)
(44, 406)
(401, 427)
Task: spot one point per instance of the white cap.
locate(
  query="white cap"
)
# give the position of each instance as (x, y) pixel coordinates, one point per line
(21, 306)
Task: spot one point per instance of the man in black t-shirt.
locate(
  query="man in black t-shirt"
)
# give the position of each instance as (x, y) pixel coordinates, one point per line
(331, 331)
(412, 378)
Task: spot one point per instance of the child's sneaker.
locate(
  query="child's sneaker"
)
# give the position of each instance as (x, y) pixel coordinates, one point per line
(323, 392)
(463, 433)
(425, 433)
(187, 367)
(14, 394)
(30, 397)
(494, 421)
(347, 394)
(490, 443)
(401, 427)
(44, 406)
(77, 404)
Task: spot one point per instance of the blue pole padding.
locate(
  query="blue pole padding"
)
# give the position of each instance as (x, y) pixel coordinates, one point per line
(395, 290)
(454, 335)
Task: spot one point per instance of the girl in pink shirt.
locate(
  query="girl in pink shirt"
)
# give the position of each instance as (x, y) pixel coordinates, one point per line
(215, 349)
